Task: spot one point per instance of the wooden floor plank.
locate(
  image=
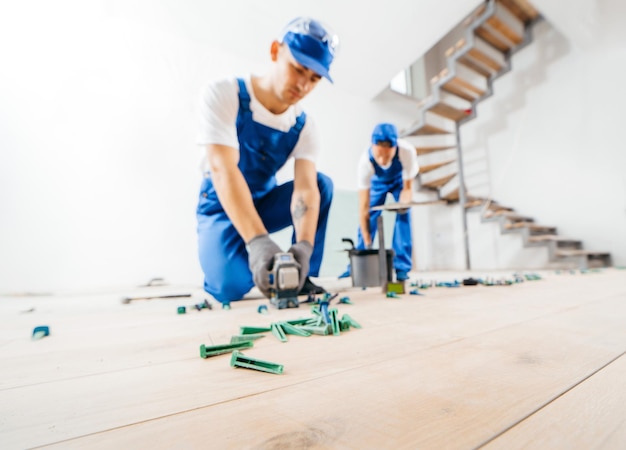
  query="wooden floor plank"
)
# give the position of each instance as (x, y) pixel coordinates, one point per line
(591, 415)
(453, 368)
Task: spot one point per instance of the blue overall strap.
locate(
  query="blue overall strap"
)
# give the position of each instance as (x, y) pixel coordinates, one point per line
(300, 121)
(244, 97)
(263, 150)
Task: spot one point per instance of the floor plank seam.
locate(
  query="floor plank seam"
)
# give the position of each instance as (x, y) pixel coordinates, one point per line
(537, 410)
(177, 413)
(96, 374)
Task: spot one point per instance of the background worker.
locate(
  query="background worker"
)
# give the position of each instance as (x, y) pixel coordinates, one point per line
(250, 127)
(387, 167)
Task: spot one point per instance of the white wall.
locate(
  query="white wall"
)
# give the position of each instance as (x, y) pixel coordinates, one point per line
(98, 167)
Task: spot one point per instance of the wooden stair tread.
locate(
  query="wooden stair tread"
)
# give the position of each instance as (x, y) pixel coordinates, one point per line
(473, 203)
(462, 85)
(429, 129)
(521, 8)
(449, 112)
(529, 225)
(491, 38)
(440, 182)
(459, 91)
(429, 167)
(453, 196)
(510, 215)
(572, 252)
(502, 28)
(476, 67)
(479, 57)
(493, 206)
(436, 148)
(551, 237)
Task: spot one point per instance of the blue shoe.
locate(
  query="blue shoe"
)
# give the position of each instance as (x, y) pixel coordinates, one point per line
(346, 274)
(401, 275)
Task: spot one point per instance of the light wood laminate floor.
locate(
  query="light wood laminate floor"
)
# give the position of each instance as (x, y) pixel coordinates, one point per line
(534, 365)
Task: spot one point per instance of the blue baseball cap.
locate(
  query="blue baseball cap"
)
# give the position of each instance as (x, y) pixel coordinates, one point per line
(311, 44)
(385, 132)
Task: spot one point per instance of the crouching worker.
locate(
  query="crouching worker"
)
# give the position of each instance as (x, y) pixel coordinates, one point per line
(250, 127)
(387, 167)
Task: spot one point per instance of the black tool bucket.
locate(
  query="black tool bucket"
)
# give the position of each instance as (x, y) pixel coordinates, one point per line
(365, 266)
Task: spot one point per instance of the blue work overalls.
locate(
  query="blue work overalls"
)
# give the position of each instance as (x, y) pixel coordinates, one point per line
(262, 151)
(386, 181)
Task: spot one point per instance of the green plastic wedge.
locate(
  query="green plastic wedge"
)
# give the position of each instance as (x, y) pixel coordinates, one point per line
(277, 330)
(253, 330)
(298, 321)
(213, 350)
(321, 330)
(334, 321)
(315, 321)
(41, 332)
(240, 360)
(245, 337)
(292, 329)
(344, 326)
(349, 320)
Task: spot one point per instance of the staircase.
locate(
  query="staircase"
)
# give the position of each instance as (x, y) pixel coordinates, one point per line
(563, 252)
(488, 39)
(481, 51)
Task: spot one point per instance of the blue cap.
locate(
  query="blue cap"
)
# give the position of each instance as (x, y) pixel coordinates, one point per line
(385, 132)
(311, 44)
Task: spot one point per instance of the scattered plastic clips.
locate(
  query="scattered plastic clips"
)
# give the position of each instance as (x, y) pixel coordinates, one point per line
(325, 321)
(198, 307)
(327, 297)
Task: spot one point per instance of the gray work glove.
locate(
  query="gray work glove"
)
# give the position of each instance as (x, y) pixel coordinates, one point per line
(261, 251)
(301, 252)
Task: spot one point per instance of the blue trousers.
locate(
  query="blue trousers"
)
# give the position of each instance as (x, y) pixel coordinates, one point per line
(402, 243)
(222, 251)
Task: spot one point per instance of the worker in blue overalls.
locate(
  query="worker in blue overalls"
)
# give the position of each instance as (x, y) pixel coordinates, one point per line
(387, 167)
(250, 127)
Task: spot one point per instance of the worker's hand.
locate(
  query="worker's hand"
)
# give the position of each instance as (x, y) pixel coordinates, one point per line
(301, 252)
(261, 251)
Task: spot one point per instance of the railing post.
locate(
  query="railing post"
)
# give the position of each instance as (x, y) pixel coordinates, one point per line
(462, 195)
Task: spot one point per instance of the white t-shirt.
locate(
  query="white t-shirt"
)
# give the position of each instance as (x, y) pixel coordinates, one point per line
(218, 119)
(408, 159)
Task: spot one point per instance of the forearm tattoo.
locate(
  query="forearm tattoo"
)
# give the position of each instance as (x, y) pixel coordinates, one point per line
(299, 209)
